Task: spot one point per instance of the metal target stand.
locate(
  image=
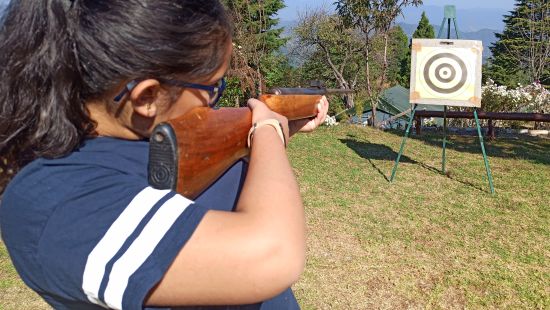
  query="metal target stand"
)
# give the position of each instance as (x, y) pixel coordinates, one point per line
(450, 16)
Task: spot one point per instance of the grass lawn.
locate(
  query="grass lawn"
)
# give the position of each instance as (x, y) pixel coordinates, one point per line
(427, 241)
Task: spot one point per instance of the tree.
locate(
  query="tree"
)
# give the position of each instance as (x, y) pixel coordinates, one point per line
(373, 18)
(424, 30)
(522, 50)
(399, 53)
(256, 38)
(330, 43)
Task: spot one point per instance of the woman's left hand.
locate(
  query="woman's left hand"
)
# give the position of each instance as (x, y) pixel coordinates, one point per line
(310, 124)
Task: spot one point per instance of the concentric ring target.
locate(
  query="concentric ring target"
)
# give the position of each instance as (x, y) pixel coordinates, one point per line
(445, 73)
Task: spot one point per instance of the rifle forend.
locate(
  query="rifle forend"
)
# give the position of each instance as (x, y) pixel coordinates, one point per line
(190, 153)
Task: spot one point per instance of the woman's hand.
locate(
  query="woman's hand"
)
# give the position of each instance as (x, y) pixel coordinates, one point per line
(261, 112)
(310, 124)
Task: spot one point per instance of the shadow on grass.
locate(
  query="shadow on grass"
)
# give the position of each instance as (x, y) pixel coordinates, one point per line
(371, 151)
(524, 147)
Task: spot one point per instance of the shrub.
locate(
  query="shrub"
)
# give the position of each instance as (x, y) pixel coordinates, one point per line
(532, 98)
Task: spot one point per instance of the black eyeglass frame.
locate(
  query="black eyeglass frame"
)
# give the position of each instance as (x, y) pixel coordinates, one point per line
(215, 92)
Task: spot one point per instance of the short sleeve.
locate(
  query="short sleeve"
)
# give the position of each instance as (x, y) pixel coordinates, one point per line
(87, 232)
(111, 249)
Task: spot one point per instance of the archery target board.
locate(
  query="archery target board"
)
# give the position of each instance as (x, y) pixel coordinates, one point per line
(446, 72)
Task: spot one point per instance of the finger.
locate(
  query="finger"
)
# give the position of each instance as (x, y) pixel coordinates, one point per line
(326, 103)
(253, 103)
(322, 115)
(325, 109)
(321, 104)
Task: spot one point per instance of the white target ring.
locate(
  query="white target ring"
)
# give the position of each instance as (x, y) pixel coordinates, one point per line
(445, 74)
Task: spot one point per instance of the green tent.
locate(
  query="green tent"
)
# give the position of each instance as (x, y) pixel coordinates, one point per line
(395, 101)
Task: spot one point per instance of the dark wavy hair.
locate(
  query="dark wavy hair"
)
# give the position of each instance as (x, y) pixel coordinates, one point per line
(57, 54)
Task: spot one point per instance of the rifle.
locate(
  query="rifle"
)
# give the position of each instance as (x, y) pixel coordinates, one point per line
(189, 153)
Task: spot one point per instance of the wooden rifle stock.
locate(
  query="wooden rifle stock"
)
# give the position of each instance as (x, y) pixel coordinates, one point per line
(190, 153)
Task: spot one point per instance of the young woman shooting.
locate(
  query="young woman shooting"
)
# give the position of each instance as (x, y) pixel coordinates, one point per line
(82, 85)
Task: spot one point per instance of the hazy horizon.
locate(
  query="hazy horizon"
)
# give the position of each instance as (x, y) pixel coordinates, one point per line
(473, 15)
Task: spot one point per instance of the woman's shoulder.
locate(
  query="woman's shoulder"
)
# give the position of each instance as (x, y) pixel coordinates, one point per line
(102, 160)
(102, 173)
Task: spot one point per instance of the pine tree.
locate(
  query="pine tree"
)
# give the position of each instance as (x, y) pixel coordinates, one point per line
(521, 53)
(399, 53)
(424, 30)
(257, 40)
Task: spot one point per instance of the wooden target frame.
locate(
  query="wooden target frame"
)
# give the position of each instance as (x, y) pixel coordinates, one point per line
(446, 72)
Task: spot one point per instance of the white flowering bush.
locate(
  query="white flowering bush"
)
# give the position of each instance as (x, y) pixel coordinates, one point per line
(430, 122)
(330, 121)
(532, 98)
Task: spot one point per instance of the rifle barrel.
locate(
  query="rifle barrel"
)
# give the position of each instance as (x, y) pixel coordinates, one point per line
(309, 91)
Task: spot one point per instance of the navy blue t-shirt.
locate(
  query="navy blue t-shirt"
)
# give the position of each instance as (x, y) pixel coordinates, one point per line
(86, 231)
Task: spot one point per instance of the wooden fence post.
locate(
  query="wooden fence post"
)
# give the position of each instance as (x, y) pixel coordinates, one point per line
(491, 135)
(418, 125)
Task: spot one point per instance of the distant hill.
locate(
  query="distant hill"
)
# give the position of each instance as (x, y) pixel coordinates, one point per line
(288, 25)
(469, 20)
(487, 36)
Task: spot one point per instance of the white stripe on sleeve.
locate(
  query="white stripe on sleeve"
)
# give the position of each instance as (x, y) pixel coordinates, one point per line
(142, 247)
(114, 239)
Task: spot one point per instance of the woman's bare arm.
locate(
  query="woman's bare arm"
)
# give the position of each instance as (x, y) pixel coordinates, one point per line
(250, 255)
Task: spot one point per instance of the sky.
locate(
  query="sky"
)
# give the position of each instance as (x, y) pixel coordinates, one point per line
(473, 14)
(296, 5)
(477, 14)
(472, 4)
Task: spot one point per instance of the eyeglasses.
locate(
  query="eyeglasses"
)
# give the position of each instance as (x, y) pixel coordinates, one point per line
(215, 91)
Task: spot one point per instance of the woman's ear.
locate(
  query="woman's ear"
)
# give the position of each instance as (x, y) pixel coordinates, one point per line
(145, 98)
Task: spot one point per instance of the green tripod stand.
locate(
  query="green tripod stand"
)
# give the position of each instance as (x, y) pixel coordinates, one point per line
(450, 16)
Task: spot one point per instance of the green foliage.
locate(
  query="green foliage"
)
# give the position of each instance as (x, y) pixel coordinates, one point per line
(330, 43)
(233, 95)
(332, 52)
(277, 71)
(257, 63)
(359, 109)
(521, 53)
(374, 19)
(315, 68)
(424, 29)
(405, 71)
(398, 54)
(357, 13)
(257, 18)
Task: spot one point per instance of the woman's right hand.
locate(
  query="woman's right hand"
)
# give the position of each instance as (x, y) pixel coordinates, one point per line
(261, 112)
